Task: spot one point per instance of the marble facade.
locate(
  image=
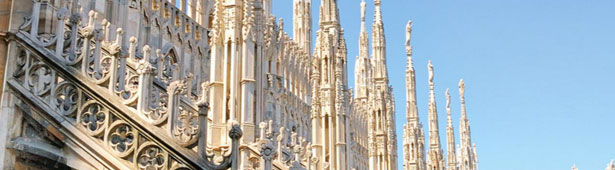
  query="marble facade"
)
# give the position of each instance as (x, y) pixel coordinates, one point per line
(189, 84)
(206, 84)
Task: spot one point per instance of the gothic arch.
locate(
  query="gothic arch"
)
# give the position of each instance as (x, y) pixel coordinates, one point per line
(170, 64)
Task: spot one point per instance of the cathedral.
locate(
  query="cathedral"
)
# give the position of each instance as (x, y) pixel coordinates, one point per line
(205, 84)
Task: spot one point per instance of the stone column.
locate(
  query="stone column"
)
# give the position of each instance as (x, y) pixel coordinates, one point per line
(217, 95)
(247, 90)
(247, 95)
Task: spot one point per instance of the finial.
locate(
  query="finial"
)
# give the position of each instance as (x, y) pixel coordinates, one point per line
(146, 51)
(235, 133)
(133, 40)
(132, 47)
(119, 31)
(91, 13)
(93, 17)
(105, 27)
(119, 36)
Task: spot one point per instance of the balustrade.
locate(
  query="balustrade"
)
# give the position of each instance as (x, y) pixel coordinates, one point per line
(137, 106)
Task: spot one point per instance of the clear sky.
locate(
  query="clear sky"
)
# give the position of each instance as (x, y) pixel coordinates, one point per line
(540, 74)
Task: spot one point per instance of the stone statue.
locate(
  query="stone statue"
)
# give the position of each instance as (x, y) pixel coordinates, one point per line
(430, 67)
(462, 88)
(408, 37)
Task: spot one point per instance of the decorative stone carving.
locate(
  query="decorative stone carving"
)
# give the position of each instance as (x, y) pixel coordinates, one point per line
(151, 157)
(102, 108)
(65, 98)
(121, 139)
(40, 79)
(93, 118)
(187, 127)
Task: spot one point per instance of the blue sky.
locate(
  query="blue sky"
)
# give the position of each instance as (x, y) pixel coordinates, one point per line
(540, 74)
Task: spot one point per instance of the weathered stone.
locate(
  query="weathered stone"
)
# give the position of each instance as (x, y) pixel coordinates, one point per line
(191, 84)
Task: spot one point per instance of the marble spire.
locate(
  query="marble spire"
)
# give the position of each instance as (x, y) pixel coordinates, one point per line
(379, 46)
(363, 66)
(434, 138)
(464, 122)
(450, 136)
(412, 114)
(302, 25)
(363, 37)
(435, 159)
(468, 157)
(414, 139)
(329, 130)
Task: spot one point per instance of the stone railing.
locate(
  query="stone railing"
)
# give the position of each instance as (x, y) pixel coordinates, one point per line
(133, 112)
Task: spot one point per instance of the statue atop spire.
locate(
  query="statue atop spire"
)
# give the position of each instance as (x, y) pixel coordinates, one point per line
(435, 157)
(430, 68)
(408, 38)
(464, 122)
(412, 110)
(467, 150)
(461, 157)
(414, 138)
